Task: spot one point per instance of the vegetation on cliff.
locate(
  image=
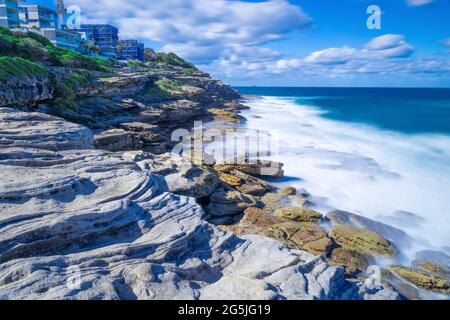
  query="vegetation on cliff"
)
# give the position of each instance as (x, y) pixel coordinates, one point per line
(19, 67)
(36, 48)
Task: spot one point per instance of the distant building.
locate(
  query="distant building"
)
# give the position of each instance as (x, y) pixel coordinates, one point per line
(45, 21)
(35, 16)
(64, 38)
(104, 36)
(131, 50)
(9, 14)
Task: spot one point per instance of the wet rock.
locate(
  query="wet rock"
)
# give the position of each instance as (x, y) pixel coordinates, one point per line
(304, 236)
(434, 268)
(436, 257)
(422, 279)
(274, 201)
(299, 214)
(362, 240)
(394, 235)
(221, 114)
(353, 261)
(403, 219)
(289, 191)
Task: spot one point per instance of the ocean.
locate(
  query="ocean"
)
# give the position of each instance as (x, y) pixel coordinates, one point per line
(381, 153)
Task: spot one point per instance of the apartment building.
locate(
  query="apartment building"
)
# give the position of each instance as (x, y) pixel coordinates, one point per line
(103, 35)
(130, 50)
(36, 16)
(9, 14)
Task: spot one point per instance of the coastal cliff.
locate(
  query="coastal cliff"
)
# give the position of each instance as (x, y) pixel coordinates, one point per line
(94, 206)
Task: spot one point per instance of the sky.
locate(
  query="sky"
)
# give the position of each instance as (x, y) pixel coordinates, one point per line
(291, 42)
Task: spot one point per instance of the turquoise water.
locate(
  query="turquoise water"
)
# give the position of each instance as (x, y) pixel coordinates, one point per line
(398, 109)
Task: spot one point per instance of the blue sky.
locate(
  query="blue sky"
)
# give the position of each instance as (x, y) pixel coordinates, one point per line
(292, 43)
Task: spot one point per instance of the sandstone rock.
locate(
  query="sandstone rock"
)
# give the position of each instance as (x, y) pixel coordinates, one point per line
(221, 114)
(117, 140)
(236, 106)
(25, 90)
(227, 203)
(423, 279)
(303, 236)
(230, 180)
(299, 214)
(362, 240)
(394, 235)
(41, 131)
(434, 268)
(436, 257)
(251, 185)
(259, 168)
(183, 177)
(79, 223)
(289, 191)
(275, 201)
(353, 261)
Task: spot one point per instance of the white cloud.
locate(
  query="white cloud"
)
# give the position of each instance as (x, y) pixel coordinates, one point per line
(446, 42)
(388, 54)
(332, 56)
(200, 30)
(418, 3)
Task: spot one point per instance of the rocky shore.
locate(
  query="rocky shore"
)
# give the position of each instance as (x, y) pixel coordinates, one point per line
(94, 206)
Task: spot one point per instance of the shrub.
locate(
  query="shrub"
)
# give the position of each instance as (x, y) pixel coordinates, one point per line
(68, 87)
(19, 67)
(164, 88)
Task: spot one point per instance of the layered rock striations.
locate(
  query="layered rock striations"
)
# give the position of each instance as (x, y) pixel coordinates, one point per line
(82, 223)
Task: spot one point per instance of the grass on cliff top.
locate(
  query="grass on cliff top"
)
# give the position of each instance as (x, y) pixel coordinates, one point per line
(37, 48)
(173, 60)
(19, 67)
(164, 88)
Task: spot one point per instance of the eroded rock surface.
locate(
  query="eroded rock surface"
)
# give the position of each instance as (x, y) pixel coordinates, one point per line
(79, 223)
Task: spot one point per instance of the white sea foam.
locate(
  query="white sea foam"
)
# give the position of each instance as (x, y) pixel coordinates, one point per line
(362, 169)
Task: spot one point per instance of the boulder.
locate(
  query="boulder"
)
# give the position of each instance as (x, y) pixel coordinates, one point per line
(434, 268)
(289, 191)
(362, 240)
(222, 114)
(228, 203)
(230, 180)
(117, 140)
(275, 200)
(258, 168)
(353, 261)
(423, 279)
(183, 177)
(303, 236)
(394, 235)
(299, 214)
(25, 90)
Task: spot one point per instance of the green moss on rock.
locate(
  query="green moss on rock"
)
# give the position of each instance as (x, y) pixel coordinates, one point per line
(299, 214)
(362, 240)
(19, 67)
(423, 279)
